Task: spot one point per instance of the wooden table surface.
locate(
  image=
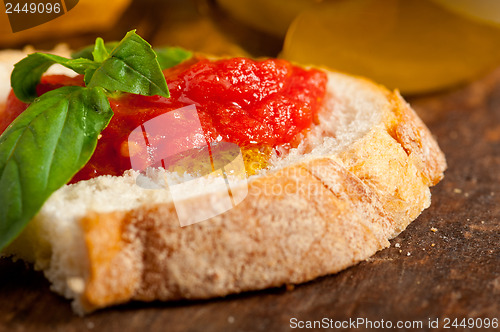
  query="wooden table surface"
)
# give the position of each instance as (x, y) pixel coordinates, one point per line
(445, 265)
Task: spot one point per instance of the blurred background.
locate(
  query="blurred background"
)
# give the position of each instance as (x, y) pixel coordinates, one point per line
(417, 46)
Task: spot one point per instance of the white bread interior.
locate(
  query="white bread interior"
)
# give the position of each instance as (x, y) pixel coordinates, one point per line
(370, 160)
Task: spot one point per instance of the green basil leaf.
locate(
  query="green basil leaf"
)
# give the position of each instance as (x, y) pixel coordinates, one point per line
(27, 72)
(171, 56)
(88, 75)
(44, 148)
(131, 67)
(86, 52)
(100, 52)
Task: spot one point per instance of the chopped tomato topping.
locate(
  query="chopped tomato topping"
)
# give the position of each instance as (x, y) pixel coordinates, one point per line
(242, 101)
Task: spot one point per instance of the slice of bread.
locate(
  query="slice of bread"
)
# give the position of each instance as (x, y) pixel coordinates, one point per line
(356, 181)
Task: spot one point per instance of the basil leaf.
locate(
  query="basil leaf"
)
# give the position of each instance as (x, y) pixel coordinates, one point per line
(171, 56)
(28, 72)
(167, 56)
(131, 67)
(100, 53)
(44, 148)
(88, 75)
(86, 52)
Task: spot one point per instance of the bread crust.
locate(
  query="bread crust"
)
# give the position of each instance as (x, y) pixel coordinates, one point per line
(330, 213)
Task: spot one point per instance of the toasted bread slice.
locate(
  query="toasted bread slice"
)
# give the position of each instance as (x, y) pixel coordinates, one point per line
(357, 180)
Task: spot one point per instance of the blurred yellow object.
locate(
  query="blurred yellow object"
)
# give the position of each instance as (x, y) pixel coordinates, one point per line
(269, 16)
(486, 11)
(86, 16)
(413, 45)
(187, 34)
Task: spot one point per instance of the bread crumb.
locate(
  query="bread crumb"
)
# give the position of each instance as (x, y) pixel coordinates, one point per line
(76, 284)
(457, 191)
(466, 194)
(433, 245)
(408, 253)
(482, 221)
(400, 251)
(397, 245)
(230, 319)
(434, 229)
